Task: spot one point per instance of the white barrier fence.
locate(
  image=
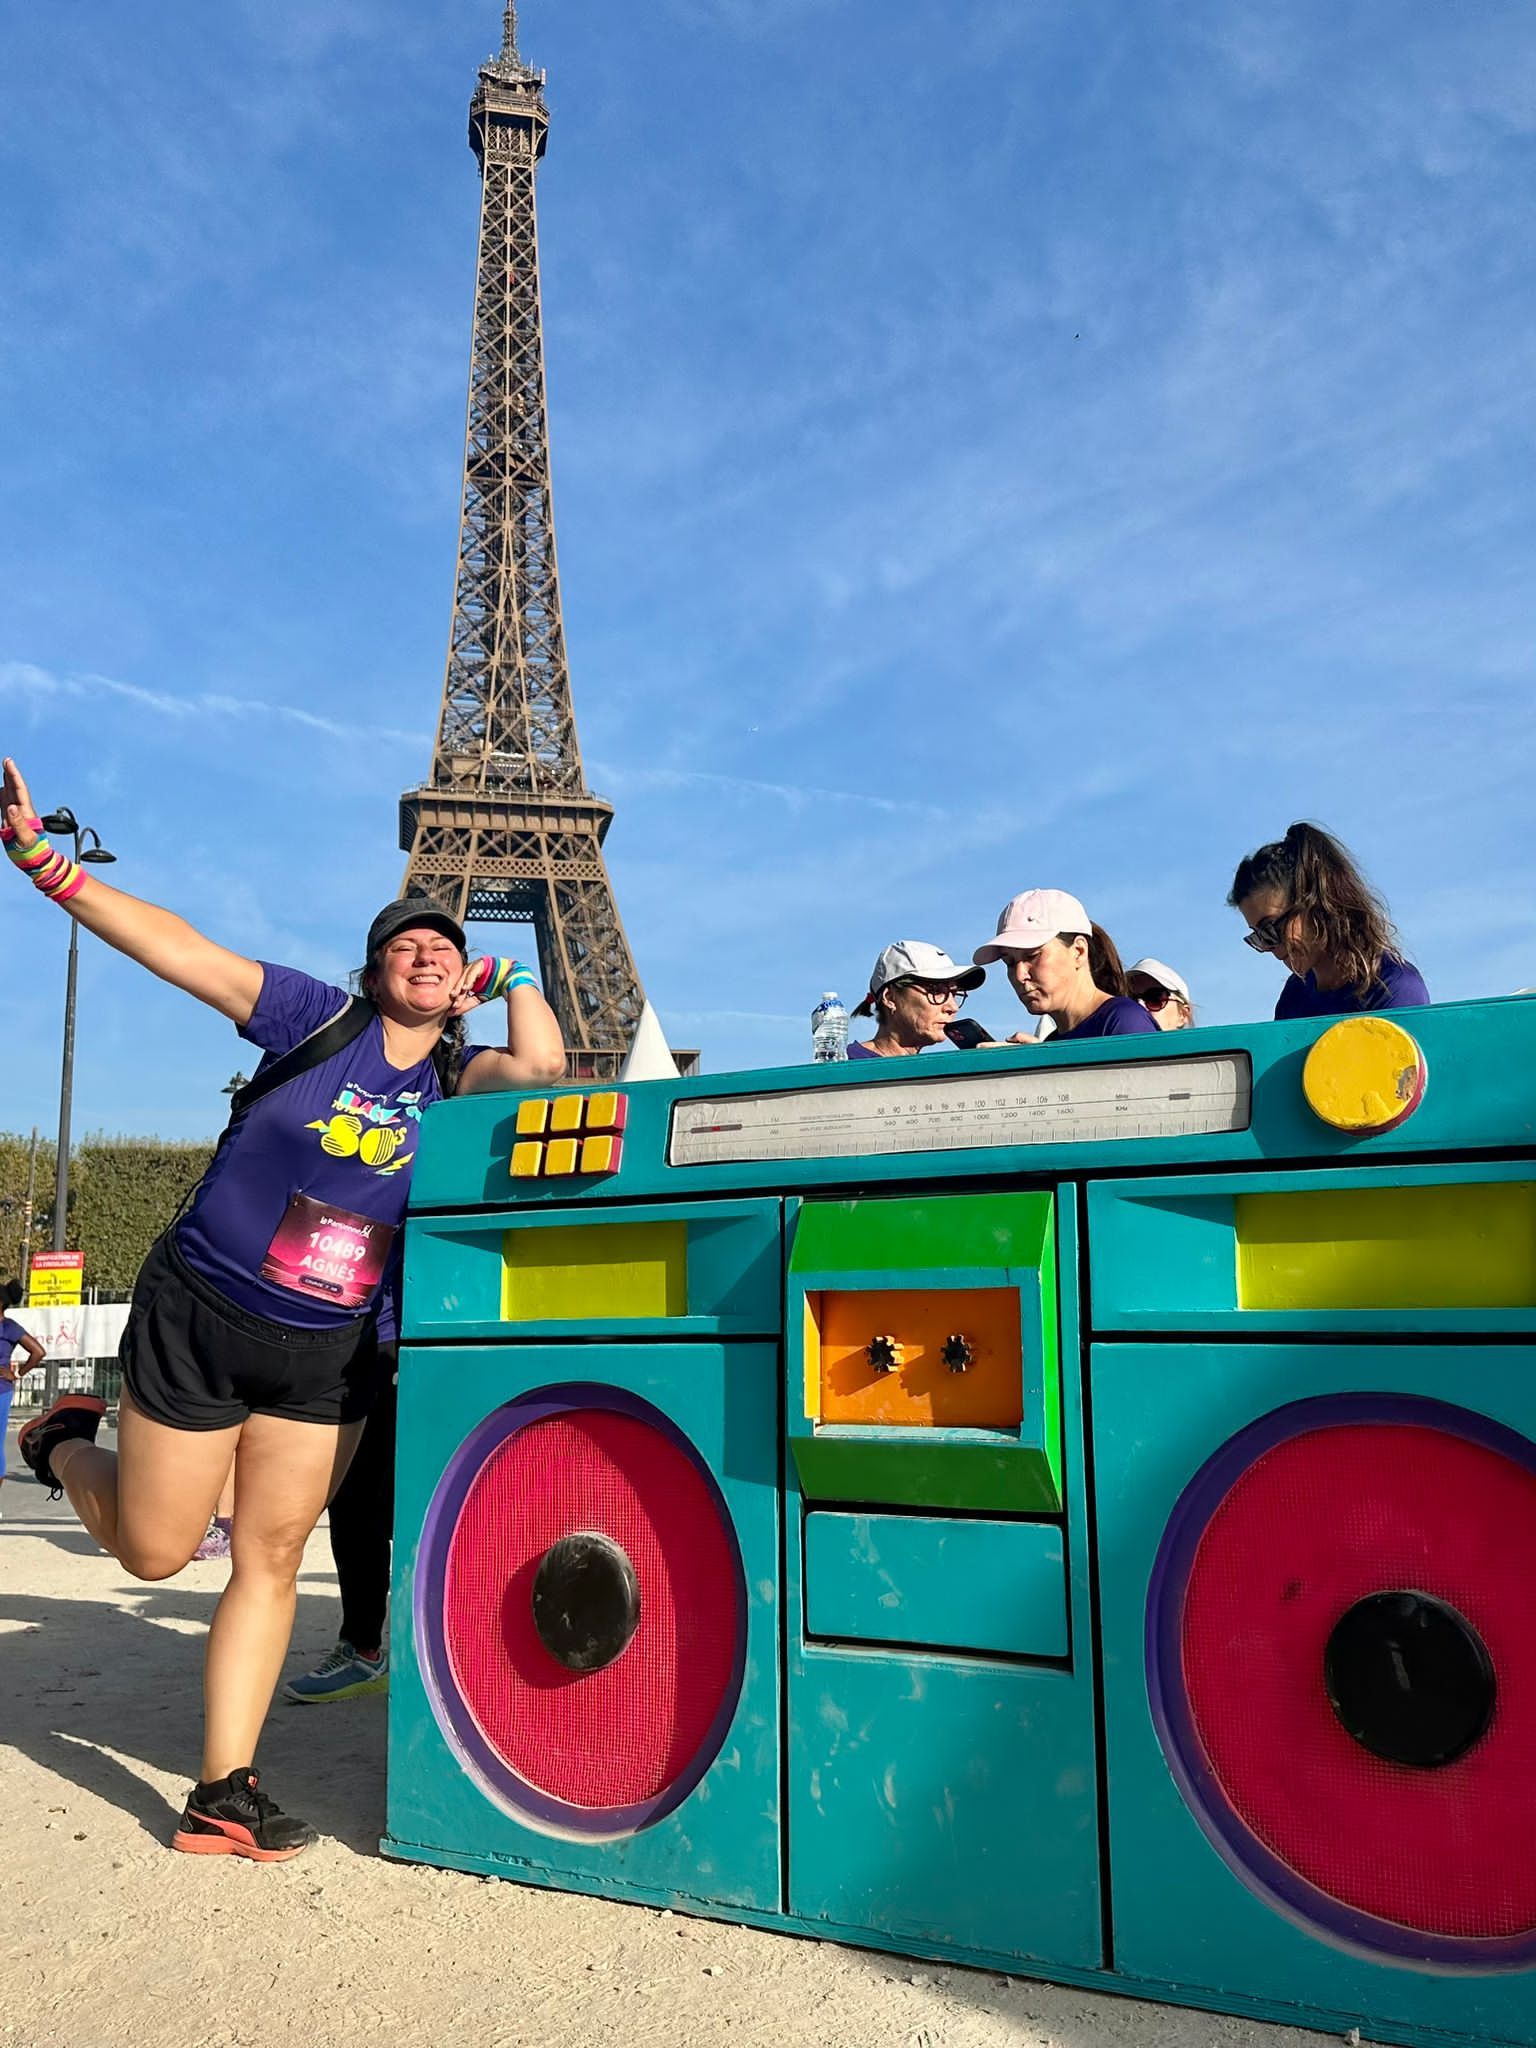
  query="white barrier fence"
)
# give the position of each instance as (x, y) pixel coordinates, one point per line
(73, 1338)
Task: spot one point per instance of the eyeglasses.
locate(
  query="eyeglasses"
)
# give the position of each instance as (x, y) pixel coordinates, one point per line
(1268, 935)
(1155, 999)
(938, 992)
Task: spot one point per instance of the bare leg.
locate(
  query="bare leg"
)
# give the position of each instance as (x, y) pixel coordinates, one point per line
(284, 1475)
(150, 1501)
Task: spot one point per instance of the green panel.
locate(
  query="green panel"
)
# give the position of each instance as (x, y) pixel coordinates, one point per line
(893, 1236)
(1042, 1376)
(942, 1241)
(970, 1584)
(909, 1468)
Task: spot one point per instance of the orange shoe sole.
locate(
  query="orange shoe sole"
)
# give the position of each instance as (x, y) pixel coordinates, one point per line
(229, 1845)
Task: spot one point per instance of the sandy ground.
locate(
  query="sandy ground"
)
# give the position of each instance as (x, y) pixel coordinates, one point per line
(111, 1939)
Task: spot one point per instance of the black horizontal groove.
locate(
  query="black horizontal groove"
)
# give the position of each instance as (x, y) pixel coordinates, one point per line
(945, 1514)
(966, 1653)
(1350, 1339)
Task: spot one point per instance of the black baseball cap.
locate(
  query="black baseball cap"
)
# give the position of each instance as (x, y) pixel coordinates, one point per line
(404, 915)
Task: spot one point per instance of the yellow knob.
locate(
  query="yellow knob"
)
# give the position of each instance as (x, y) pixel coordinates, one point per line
(1364, 1074)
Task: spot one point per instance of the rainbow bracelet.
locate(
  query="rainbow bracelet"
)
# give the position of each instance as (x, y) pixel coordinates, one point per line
(495, 976)
(55, 874)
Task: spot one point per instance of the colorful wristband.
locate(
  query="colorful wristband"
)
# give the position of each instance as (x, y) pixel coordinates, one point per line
(54, 873)
(495, 976)
(8, 838)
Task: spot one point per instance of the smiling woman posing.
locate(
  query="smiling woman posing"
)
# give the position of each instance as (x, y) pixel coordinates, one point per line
(258, 1317)
(1304, 900)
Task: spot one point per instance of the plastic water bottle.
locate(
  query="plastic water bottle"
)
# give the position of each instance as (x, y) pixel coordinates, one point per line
(829, 1029)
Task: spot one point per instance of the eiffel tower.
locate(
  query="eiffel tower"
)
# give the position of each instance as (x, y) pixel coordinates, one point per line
(506, 828)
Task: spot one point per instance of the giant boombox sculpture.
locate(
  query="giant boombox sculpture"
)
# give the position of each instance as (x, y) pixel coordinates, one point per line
(1073, 1513)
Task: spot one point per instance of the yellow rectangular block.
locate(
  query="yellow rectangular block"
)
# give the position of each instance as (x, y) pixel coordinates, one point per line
(528, 1159)
(595, 1272)
(605, 1112)
(532, 1119)
(1464, 1246)
(567, 1112)
(601, 1154)
(560, 1156)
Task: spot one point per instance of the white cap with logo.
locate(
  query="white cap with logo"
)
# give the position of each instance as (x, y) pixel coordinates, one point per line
(915, 960)
(1028, 920)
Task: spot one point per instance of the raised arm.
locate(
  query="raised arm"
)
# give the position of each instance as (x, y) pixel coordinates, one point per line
(535, 1051)
(159, 940)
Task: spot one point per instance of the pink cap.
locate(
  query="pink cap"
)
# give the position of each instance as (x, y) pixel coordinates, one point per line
(1029, 920)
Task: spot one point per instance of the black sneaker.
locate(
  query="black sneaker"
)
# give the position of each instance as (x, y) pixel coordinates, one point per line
(71, 1415)
(234, 1817)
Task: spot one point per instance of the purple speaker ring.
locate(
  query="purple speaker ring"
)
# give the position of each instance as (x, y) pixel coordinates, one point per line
(505, 1757)
(1257, 1627)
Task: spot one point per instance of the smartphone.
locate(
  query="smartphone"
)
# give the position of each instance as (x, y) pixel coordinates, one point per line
(967, 1033)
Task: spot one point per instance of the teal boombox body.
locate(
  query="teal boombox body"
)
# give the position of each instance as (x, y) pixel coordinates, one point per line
(1070, 1513)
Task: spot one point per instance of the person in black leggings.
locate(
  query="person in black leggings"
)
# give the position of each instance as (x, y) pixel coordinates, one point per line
(361, 1523)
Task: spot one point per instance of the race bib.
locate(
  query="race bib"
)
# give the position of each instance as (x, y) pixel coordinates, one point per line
(331, 1253)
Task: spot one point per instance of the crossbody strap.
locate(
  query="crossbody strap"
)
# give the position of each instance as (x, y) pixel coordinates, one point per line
(333, 1036)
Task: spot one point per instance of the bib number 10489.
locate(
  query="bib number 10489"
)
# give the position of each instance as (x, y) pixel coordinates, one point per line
(328, 1253)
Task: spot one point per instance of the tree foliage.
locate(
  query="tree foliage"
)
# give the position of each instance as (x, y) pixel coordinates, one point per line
(122, 1194)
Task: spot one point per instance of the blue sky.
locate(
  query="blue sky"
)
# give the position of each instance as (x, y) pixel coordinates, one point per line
(1028, 442)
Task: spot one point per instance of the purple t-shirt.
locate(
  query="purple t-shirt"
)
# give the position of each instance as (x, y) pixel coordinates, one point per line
(11, 1335)
(299, 1216)
(1400, 987)
(1120, 1017)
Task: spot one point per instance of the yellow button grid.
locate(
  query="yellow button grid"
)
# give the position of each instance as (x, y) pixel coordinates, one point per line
(568, 1134)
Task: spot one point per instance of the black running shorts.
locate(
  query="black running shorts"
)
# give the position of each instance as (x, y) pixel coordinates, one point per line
(193, 1360)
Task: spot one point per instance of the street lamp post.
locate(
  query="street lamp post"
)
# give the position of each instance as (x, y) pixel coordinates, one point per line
(64, 824)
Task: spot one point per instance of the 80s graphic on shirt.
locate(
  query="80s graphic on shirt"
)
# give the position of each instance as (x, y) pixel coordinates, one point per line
(327, 1157)
(359, 1127)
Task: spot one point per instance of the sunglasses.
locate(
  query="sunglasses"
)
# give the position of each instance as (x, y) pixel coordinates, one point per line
(938, 992)
(1155, 999)
(1268, 935)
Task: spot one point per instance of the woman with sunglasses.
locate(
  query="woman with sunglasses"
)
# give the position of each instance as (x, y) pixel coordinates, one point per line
(1162, 993)
(915, 992)
(1064, 966)
(1304, 900)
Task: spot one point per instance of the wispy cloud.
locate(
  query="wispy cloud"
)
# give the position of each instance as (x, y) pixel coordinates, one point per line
(795, 796)
(25, 680)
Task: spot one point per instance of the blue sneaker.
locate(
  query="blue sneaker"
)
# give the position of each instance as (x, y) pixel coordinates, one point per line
(346, 1674)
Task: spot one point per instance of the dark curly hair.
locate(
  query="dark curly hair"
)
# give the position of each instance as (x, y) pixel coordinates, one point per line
(1319, 879)
(12, 1294)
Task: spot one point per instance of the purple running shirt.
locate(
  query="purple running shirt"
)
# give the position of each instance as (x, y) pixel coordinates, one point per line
(299, 1216)
(1401, 987)
(1120, 1017)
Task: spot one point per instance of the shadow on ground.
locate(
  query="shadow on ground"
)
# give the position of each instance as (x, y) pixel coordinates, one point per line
(90, 1682)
